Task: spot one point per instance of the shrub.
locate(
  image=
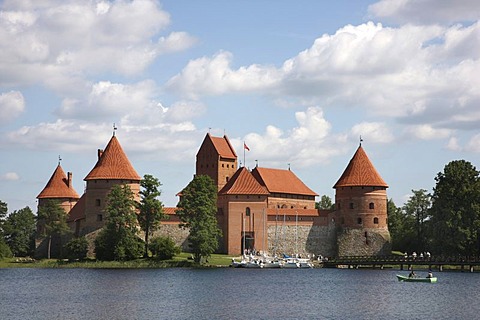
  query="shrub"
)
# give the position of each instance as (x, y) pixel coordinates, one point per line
(111, 246)
(77, 248)
(163, 248)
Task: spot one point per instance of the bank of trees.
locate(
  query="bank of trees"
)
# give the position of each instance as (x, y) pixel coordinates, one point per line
(445, 222)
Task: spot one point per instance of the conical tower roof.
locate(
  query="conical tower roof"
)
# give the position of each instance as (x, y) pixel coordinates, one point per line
(58, 186)
(113, 164)
(243, 182)
(360, 172)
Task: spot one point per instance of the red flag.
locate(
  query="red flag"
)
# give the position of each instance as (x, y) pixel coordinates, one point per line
(245, 146)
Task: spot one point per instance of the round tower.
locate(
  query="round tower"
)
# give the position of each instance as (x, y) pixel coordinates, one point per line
(112, 168)
(361, 209)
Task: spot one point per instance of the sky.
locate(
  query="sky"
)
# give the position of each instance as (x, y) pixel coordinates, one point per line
(298, 81)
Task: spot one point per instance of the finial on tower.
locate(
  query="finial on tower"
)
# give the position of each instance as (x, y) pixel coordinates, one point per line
(114, 129)
(59, 159)
(256, 163)
(361, 140)
(288, 166)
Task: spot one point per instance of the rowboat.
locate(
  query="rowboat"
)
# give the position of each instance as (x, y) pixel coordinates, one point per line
(407, 279)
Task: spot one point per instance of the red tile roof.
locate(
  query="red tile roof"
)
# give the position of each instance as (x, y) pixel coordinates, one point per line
(281, 181)
(360, 172)
(223, 147)
(58, 187)
(78, 211)
(243, 182)
(113, 164)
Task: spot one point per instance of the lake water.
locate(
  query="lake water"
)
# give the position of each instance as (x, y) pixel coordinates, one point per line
(228, 293)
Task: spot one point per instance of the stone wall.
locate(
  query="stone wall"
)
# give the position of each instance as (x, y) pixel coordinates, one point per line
(363, 242)
(177, 234)
(303, 240)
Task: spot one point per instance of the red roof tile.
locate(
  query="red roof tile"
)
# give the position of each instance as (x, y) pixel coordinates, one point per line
(223, 147)
(78, 211)
(243, 182)
(281, 181)
(58, 186)
(113, 164)
(360, 172)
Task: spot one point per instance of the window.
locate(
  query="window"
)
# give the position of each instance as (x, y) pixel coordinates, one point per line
(371, 205)
(99, 217)
(342, 220)
(351, 205)
(97, 202)
(375, 220)
(247, 212)
(223, 165)
(359, 220)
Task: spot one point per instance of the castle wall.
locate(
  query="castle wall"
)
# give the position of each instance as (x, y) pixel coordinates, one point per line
(363, 242)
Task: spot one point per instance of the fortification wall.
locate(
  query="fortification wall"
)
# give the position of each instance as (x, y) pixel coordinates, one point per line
(303, 240)
(363, 242)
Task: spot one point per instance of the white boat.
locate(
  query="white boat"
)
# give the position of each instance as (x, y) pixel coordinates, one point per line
(305, 263)
(271, 264)
(290, 263)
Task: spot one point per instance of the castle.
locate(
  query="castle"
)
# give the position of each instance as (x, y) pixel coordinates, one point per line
(263, 209)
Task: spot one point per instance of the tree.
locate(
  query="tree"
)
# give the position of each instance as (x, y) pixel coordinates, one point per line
(417, 208)
(53, 221)
(3, 215)
(197, 209)
(76, 248)
(325, 203)
(150, 208)
(20, 232)
(118, 240)
(455, 211)
(164, 248)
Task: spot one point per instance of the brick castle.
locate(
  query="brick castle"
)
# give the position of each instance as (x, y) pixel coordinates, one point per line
(265, 209)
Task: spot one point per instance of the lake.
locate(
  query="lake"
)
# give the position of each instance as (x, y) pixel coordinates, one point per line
(227, 293)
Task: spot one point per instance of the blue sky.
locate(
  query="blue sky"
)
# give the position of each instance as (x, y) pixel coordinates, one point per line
(298, 81)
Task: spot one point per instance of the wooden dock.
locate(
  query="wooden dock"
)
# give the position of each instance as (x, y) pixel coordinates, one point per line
(435, 263)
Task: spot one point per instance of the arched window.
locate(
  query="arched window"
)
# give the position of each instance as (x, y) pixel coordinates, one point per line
(375, 220)
(371, 205)
(351, 205)
(359, 220)
(247, 212)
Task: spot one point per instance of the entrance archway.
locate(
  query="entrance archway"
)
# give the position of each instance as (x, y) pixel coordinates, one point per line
(248, 242)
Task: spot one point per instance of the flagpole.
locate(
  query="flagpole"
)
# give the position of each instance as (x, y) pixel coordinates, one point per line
(244, 164)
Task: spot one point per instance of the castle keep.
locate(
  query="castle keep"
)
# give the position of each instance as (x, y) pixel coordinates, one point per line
(265, 209)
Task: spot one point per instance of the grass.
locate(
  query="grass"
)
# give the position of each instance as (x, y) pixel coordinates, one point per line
(183, 260)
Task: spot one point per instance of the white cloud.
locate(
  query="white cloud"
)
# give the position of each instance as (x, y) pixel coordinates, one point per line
(416, 74)
(427, 132)
(60, 44)
(426, 11)
(12, 104)
(473, 144)
(372, 132)
(10, 176)
(309, 143)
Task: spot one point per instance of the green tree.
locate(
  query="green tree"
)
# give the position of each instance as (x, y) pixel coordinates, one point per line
(118, 239)
(401, 228)
(3, 215)
(417, 209)
(20, 232)
(53, 222)
(150, 208)
(325, 203)
(455, 211)
(77, 248)
(197, 209)
(5, 251)
(163, 248)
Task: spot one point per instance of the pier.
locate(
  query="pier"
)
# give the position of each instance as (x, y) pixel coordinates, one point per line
(354, 262)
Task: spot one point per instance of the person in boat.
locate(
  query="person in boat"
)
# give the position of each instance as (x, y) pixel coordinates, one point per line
(430, 274)
(412, 274)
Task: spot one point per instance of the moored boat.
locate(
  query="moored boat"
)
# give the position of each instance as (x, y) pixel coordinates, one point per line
(408, 279)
